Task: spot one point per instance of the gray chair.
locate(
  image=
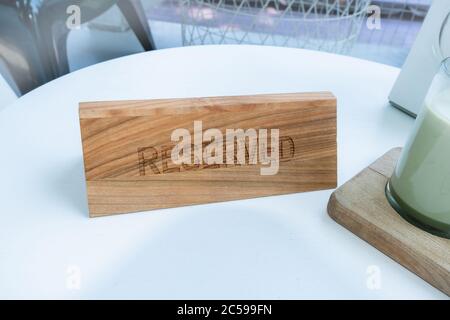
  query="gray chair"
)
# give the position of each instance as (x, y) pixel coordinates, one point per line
(33, 35)
(7, 95)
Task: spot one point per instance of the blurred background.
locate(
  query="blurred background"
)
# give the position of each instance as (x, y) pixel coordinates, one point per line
(41, 40)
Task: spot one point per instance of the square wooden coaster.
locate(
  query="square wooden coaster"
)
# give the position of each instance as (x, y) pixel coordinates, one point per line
(361, 206)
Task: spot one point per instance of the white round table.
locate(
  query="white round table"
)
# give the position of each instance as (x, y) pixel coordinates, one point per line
(274, 247)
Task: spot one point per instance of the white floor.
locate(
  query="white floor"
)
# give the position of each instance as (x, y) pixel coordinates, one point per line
(88, 46)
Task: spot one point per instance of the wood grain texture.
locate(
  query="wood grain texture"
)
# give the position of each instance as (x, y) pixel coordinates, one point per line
(120, 137)
(361, 206)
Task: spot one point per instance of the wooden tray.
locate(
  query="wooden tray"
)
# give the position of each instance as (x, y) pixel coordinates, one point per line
(360, 205)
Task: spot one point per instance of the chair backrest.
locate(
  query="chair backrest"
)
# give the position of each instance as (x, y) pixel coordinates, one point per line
(7, 95)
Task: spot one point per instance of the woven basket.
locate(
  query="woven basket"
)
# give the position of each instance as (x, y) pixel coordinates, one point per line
(328, 25)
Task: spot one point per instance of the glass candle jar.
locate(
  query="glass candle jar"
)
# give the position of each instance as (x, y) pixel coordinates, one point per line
(419, 188)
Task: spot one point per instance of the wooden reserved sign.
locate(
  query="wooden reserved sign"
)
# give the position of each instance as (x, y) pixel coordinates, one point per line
(143, 155)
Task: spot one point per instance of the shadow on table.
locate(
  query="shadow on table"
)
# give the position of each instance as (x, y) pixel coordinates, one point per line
(226, 250)
(70, 186)
(392, 121)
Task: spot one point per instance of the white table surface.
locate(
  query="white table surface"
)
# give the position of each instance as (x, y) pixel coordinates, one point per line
(274, 247)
